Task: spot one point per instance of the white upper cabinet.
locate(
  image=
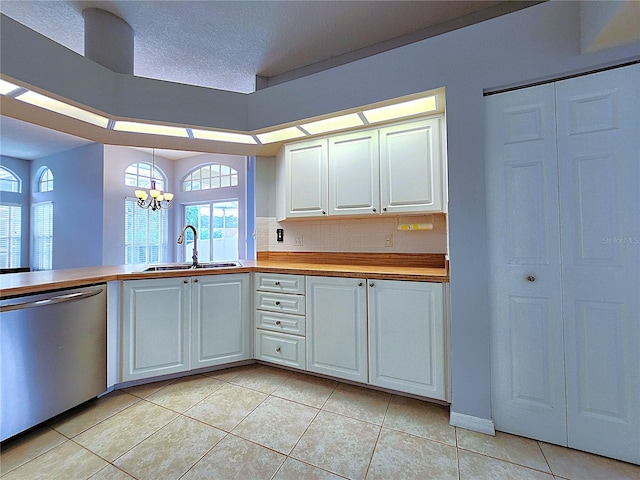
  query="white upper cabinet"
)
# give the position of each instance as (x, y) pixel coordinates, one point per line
(411, 170)
(397, 169)
(306, 173)
(354, 173)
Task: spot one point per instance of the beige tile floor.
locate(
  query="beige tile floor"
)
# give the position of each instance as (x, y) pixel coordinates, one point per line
(260, 422)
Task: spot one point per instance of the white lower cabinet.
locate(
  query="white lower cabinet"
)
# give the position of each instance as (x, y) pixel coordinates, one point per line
(220, 319)
(280, 319)
(407, 337)
(386, 333)
(337, 327)
(172, 325)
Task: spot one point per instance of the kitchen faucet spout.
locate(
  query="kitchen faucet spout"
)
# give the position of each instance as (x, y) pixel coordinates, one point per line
(194, 257)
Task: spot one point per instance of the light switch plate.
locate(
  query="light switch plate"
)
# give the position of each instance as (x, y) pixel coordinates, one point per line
(297, 240)
(388, 240)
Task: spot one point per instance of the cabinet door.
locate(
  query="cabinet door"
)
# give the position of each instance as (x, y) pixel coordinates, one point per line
(220, 319)
(406, 337)
(306, 179)
(354, 174)
(155, 327)
(337, 327)
(411, 167)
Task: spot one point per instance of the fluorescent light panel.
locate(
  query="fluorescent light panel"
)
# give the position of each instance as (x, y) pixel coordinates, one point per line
(62, 108)
(6, 87)
(223, 136)
(333, 124)
(149, 128)
(280, 135)
(400, 110)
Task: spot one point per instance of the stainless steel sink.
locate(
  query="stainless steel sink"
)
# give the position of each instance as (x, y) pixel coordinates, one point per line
(188, 266)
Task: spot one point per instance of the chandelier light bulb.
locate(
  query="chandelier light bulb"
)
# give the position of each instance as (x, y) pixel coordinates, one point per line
(156, 198)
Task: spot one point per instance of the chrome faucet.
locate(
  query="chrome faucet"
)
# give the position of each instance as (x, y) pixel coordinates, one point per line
(195, 243)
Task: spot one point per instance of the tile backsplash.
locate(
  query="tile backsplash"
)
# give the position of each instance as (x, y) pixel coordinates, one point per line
(353, 235)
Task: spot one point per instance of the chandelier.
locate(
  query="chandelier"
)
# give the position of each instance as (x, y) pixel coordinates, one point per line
(155, 199)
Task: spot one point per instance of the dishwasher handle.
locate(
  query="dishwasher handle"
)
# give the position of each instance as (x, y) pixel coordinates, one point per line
(50, 301)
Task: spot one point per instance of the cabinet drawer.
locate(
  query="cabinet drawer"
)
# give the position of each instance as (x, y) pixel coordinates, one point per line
(273, 282)
(280, 302)
(280, 322)
(281, 348)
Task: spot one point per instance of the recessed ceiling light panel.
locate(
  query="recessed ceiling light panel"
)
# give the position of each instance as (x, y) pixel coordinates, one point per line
(6, 87)
(333, 124)
(62, 108)
(223, 136)
(401, 110)
(280, 135)
(136, 127)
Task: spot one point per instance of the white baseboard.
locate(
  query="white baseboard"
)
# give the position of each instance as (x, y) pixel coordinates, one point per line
(475, 424)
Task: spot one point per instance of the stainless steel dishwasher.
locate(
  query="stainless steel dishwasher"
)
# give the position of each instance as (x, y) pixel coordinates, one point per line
(53, 354)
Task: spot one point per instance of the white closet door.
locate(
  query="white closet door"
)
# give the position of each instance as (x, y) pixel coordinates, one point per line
(599, 167)
(527, 360)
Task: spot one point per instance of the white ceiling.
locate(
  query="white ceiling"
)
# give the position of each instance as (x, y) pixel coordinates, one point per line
(225, 44)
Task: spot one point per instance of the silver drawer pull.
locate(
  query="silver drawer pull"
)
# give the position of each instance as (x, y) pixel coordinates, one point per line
(278, 322)
(531, 278)
(277, 302)
(277, 283)
(278, 349)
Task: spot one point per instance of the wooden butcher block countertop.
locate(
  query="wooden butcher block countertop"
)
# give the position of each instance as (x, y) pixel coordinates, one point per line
(379, 266)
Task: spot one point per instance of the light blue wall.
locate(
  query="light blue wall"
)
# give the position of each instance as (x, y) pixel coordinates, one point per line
(22, 169)
(77, 205)
(538, 43)
(265, 187)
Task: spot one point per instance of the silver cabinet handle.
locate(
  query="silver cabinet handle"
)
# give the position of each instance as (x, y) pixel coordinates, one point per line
(531, 278)
(371, 284)
(277, 283)
(278, 322)
(277, 302)
(278, 349)
(359, 284)
(195, 280)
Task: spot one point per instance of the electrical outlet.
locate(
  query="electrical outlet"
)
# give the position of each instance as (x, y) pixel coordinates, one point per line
(297, 240)
(279, 235)
(388, 240)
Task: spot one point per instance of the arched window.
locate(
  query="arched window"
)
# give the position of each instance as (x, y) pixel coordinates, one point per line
(45, 183)
(140, 175)
(209, 176)
(146, 231)
(9, 181)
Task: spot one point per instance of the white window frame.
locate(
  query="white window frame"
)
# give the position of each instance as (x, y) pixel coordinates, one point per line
(12, 258)
(45, 181)
(131, 243)
(8, 177)
(187, 246)
(42, 228)
(210, 176)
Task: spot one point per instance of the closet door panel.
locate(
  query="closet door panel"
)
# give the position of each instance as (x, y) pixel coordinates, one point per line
(599, 173)
(522, 212)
